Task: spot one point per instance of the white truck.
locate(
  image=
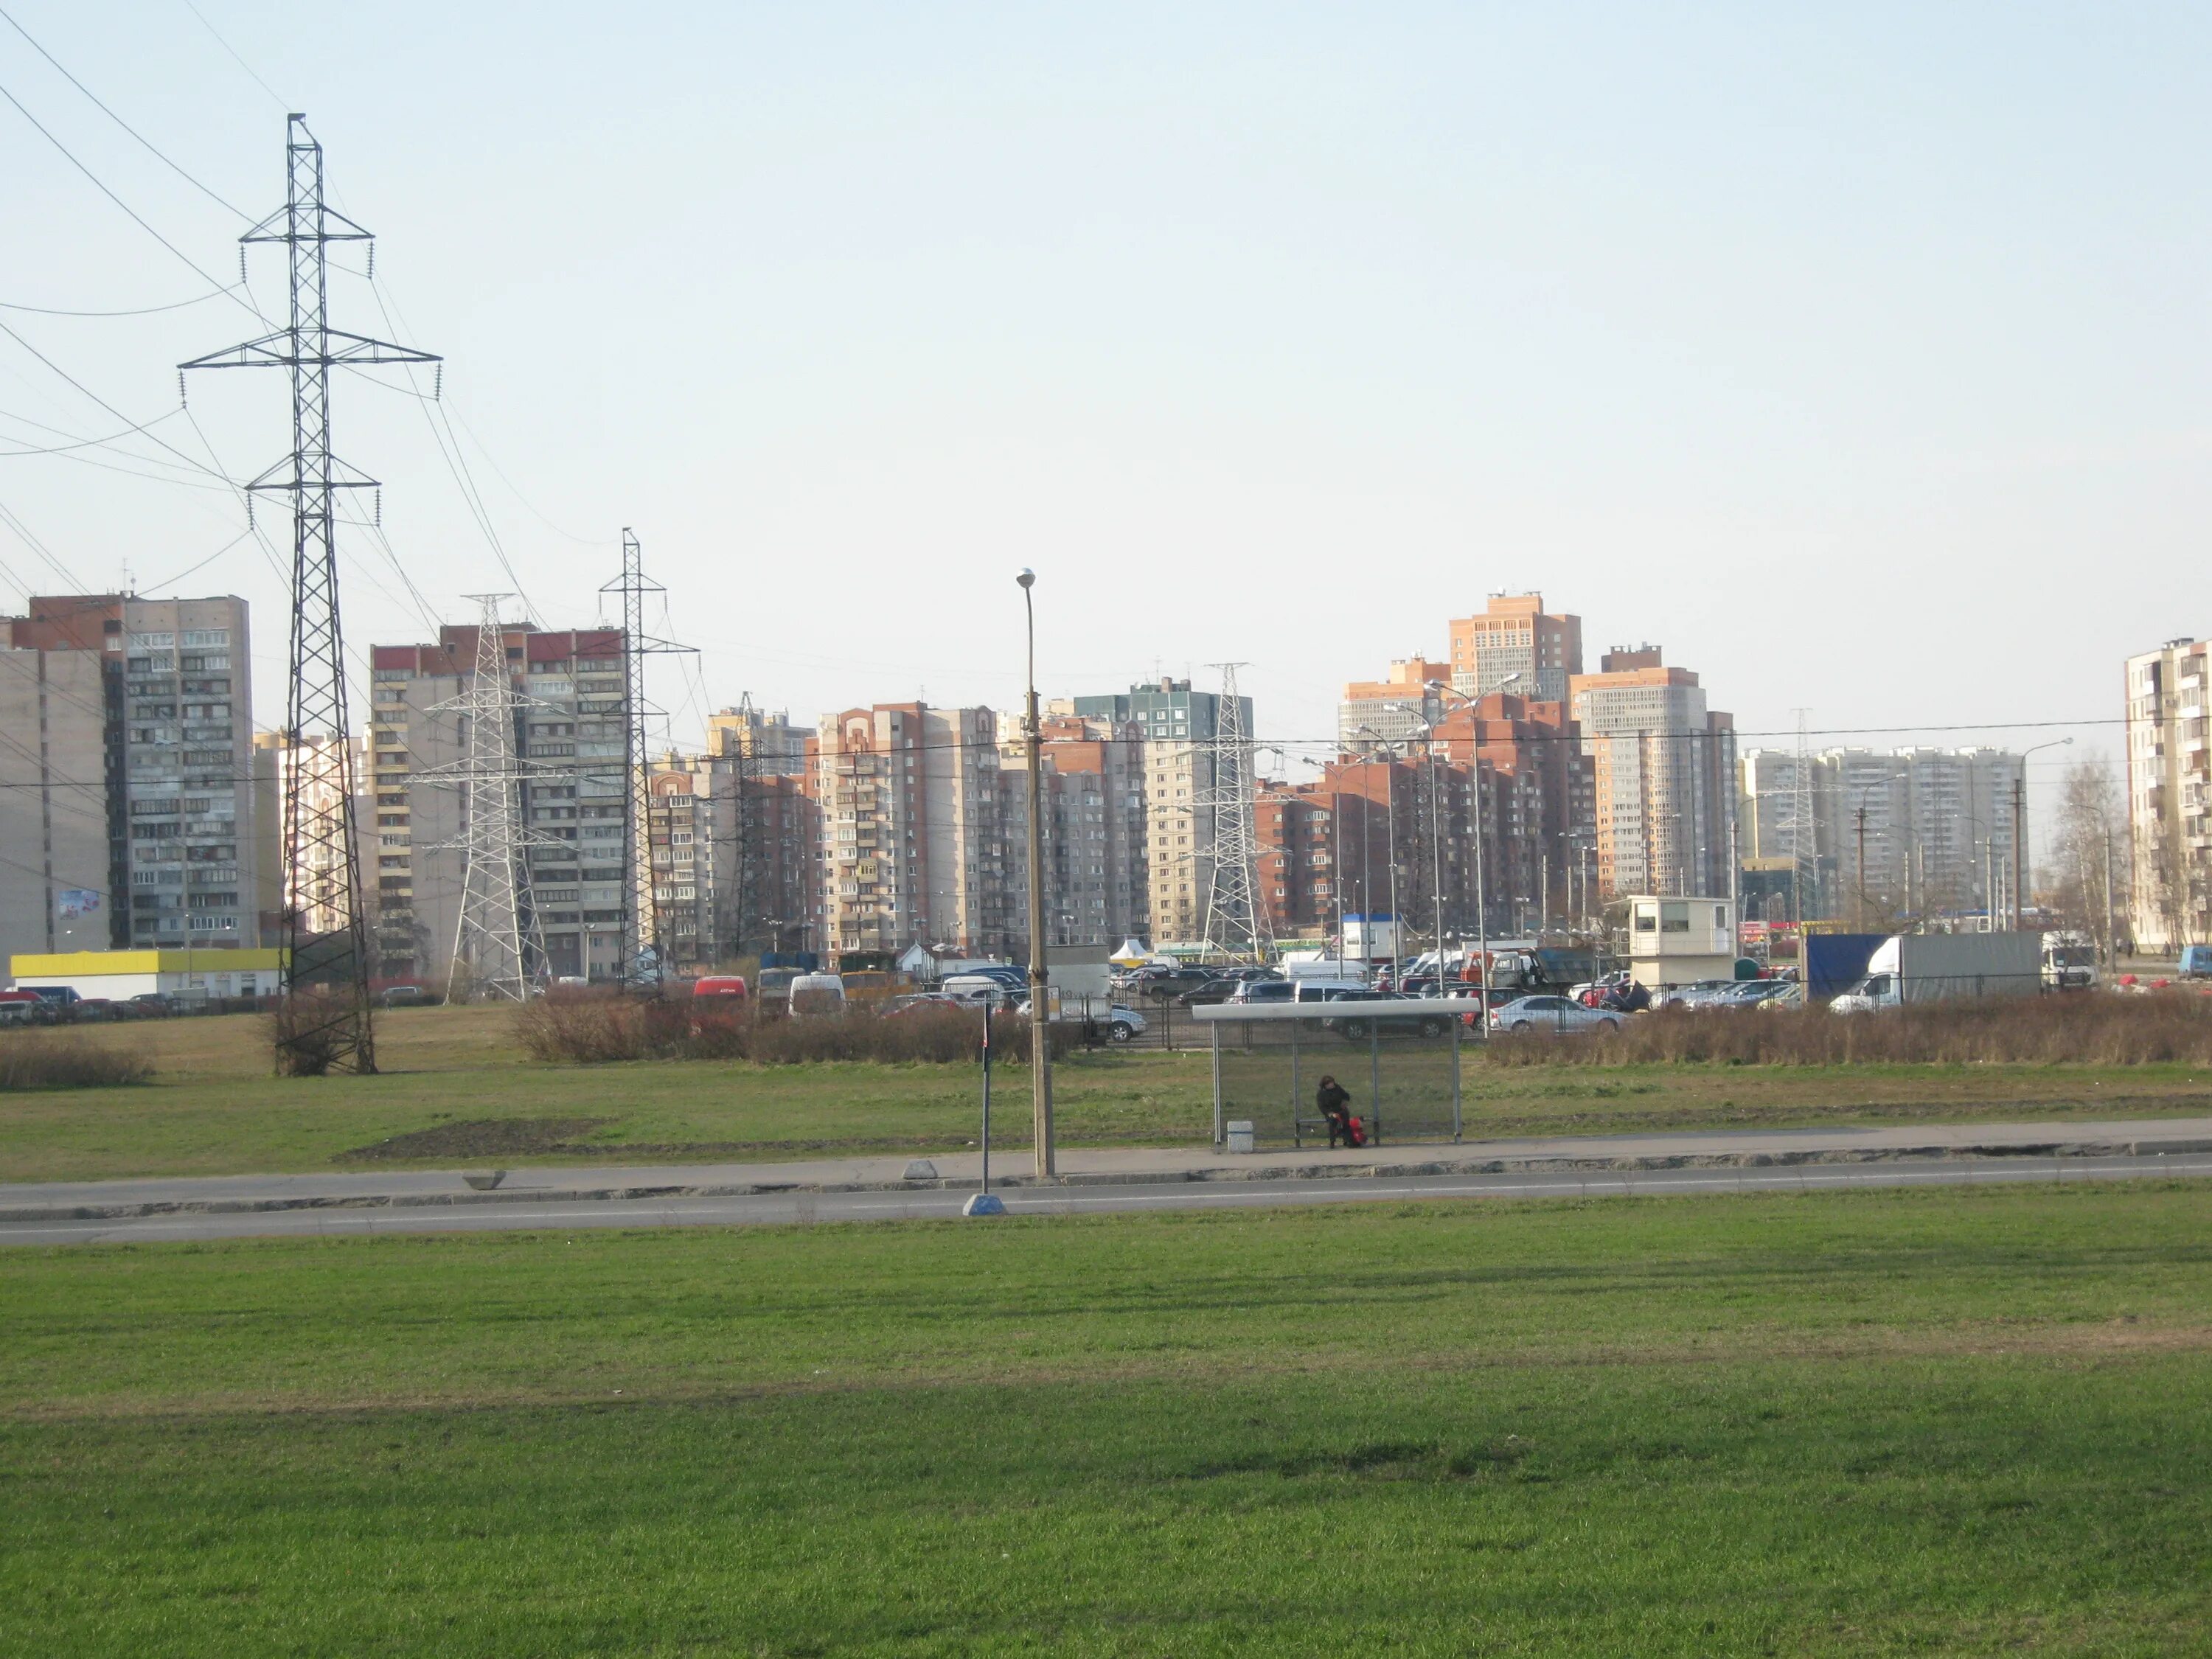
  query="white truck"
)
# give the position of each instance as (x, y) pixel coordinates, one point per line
(2069, 961)
(1914, 967)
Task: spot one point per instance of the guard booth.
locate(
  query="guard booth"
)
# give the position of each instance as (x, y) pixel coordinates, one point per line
(1399, 1059)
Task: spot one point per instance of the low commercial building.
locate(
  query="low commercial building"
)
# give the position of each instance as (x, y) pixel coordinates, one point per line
(117, 974)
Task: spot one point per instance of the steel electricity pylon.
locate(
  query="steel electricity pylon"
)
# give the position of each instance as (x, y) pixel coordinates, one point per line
(641, 930)
(326, 970)
(497, 942)
(1237, 922)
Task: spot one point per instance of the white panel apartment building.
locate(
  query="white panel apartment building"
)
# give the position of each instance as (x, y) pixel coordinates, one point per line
(174, 755)
(2170, 795)
(571, 729)
(1938, 831)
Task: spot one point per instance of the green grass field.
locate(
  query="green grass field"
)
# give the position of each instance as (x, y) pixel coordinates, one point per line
(213, 1109)
(1974, 1420)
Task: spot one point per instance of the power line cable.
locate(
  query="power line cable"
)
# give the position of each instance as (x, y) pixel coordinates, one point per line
(151, 147)
(139, 310)
(132, 212)
(281, 102)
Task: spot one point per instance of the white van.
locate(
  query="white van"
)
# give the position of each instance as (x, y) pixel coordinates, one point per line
(817, 993)
(977, 990)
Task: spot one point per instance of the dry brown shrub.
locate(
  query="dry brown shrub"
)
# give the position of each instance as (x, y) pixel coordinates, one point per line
(2090, 1029)
(589, 1027)
(581, 1028)
(67, 1062)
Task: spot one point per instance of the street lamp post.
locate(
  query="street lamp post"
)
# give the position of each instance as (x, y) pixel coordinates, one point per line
(1390, 832)
(1040, 1047)
(2020, 828)
(1475, 776)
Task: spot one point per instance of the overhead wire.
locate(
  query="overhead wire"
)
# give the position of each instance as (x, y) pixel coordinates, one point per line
(151, 147)
(137, 310)
(135, 217)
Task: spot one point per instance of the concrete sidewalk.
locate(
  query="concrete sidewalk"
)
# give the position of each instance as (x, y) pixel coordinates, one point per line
(1705, 1149)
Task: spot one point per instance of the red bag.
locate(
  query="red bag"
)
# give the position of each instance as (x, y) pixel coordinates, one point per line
(1355, 1133)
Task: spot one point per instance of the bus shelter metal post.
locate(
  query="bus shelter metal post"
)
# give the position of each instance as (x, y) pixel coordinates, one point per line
(1375, 1078)
(1455, 1106)
(1220, 1134)
(1296, 1135)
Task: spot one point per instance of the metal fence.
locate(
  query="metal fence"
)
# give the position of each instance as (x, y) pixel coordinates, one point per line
(1401, 1068)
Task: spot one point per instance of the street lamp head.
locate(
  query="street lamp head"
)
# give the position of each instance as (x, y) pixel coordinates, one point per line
(1028, 578)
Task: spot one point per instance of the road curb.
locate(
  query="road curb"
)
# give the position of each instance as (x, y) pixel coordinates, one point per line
(1209, 1173)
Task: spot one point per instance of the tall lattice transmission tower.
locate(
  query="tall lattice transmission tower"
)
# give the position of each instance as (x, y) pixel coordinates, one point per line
(328, 1029)
(497, 942)
(641, 947)
(1237, 920)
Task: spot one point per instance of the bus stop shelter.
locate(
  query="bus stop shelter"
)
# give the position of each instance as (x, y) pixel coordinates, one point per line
(1399, 1060)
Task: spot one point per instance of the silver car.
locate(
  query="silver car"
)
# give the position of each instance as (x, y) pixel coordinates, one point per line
(1552, 1013)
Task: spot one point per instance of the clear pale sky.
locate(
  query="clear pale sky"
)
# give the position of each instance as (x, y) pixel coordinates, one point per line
(1857, 355)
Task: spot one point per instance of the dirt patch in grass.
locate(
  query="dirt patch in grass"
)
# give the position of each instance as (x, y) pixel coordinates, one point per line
(489, 1137)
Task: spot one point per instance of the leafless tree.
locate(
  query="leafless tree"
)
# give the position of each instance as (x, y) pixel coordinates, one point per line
(2087, 881)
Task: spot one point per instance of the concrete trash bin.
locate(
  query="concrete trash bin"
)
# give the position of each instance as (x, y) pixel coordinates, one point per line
(1240, 1136)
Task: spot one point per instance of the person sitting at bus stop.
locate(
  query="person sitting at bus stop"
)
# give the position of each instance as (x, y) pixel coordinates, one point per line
(1336, 1105)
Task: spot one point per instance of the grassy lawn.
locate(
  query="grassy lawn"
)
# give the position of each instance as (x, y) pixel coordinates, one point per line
(1976, 1420)
(213, 1107)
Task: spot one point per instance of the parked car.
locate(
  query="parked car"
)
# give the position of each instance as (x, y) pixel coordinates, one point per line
(914, 999)
(153, 1005)
(1553, 1014)
(1166, 984)
(20, 1007)
(1120, 1023)
(720, 985)
(1411, 1017)
(1213, 991)
(96, 1008)
(402, 996)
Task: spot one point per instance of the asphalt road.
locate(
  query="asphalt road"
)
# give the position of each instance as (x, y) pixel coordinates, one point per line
(786, 1208)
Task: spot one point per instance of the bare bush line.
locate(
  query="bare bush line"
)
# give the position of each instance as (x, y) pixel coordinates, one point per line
(2081, 1030)
(67, 1062)
(588, 1029)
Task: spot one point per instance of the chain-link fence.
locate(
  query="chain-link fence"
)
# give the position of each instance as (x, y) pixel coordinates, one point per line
(1398, 1062)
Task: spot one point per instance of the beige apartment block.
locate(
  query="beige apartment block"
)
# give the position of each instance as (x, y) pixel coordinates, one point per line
(1517, 645)
(913, 846)
(1664, 768)
(1388, 711)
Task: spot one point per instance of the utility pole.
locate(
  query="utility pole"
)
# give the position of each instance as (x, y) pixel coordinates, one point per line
(2020, 847)
(327, 1026)
(1040, 974)
(640, 929)
(1861, 907)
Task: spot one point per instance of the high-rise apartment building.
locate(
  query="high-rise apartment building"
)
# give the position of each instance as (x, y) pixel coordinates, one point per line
(914, 847)
(174, 755)
(680, 843)
(570, 744)
(1516, 645)
(1931, 829)
(1663, 776)
(2169, 715)
(56, 878)
(1177, 727)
